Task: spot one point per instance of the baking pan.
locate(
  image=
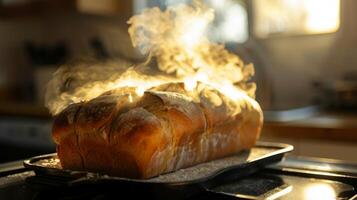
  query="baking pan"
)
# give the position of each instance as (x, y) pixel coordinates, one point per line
(182, 183)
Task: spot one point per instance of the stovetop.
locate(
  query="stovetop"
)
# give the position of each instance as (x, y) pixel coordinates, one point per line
(293, 178)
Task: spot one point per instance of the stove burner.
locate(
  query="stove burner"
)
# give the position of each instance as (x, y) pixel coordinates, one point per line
(268, 186)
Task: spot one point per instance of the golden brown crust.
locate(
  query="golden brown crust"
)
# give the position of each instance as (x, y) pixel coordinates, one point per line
(140, 134)
(215, 107)
(183, 120)
(64, 122)
(64, 135)
(157, 133)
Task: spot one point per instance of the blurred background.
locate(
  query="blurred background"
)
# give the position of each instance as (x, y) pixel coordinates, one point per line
(304, 52)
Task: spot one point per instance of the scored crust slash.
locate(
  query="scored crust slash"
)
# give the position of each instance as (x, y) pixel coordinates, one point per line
(136, 123)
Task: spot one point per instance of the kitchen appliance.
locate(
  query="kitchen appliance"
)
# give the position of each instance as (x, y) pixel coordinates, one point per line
(340, 94)
(22, 137)
(293, 178)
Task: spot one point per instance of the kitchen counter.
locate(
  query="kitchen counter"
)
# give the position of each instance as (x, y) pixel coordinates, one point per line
(20, 109)
(327, 125)
(314, 132)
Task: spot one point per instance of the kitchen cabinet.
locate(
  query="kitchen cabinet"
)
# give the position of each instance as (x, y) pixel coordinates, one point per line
(14, 8)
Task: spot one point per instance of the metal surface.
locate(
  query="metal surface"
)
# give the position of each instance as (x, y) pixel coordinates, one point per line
(11, 168)
(295, 178)
(262, 154)
(285, 187)
(320, 164)
(289, 179)
(190, 181)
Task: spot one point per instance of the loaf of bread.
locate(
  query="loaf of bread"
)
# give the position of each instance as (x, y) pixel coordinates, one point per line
(168, 128)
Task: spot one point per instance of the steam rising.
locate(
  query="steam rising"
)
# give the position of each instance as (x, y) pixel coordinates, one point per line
(176, 38)
(83, 82)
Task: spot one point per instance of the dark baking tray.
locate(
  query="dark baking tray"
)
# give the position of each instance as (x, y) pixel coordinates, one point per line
(182, 183)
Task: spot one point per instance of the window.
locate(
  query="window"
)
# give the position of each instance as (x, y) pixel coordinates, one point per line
(295, 17)
(231, 21)
(231, 18)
